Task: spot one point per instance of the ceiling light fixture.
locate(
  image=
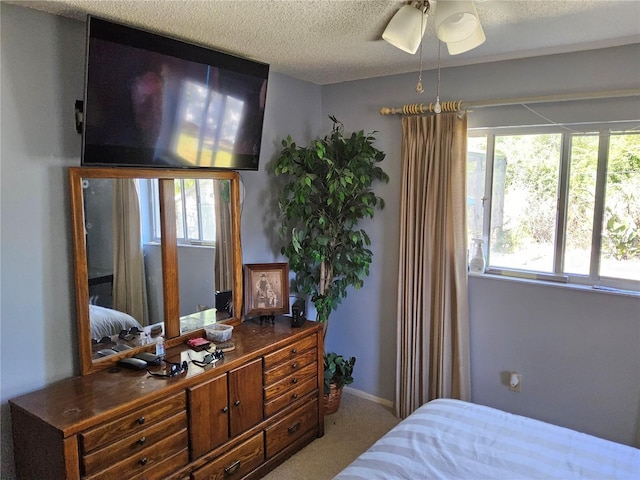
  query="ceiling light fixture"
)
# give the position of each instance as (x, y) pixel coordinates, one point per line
(456, 24)
(456, 20)
(476, 39)
(406, 28)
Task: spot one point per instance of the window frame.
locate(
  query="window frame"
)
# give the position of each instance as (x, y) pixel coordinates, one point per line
(593, 279)
(182, 241)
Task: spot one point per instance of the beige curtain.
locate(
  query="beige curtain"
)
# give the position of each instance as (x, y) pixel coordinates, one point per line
(129, 283)
(224, 251)
(433, 310)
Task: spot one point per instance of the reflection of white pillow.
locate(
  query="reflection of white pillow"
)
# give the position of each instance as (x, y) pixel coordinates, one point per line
(107, 322)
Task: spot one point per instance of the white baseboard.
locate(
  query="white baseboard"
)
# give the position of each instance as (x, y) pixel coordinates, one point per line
(368, 396)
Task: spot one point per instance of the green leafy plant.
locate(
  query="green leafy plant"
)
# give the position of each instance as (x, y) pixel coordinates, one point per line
(621, 238)
(337, 370)
(328, 190)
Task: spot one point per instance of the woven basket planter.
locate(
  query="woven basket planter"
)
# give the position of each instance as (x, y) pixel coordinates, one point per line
(332, 400)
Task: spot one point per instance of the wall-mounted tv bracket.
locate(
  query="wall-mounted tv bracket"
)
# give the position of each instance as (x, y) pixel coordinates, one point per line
(79, 109)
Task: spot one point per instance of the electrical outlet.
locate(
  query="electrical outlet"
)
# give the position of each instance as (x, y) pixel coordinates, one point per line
(518, 385)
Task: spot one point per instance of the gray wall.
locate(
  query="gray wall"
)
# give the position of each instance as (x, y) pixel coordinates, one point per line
(292, 109)
(197, 286)
(581, 347)
(577, 351)
(42, 75)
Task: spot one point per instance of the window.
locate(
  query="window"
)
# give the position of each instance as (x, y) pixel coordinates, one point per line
(195, 211)
(557, 205)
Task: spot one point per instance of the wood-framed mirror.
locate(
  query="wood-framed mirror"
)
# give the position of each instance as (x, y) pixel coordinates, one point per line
(157, 254)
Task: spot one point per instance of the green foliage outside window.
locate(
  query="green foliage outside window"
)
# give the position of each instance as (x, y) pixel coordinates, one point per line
(526, 202)
(622, 205)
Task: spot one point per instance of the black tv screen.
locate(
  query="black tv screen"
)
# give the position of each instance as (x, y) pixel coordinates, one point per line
(152, 101)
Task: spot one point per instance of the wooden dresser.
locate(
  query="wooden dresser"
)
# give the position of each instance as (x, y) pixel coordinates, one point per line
(238, 418)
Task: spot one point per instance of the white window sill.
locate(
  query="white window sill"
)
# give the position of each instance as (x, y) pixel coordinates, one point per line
(571, 286)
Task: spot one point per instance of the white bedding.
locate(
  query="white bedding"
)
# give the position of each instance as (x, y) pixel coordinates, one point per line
(107, 322)
(451, 439)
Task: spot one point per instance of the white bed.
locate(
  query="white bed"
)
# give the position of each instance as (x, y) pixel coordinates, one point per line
(452, 439)
(106, 322)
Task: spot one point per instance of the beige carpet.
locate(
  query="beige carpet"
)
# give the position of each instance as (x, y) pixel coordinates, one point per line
(347, 433)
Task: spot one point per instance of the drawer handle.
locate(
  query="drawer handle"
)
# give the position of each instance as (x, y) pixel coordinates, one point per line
(295, 365)
(294, 396)
(140, 420)
(295, 350)
(143, 461)
(294, 427)
(236, 403)
(295, 380)
(225, 409)
(142, 441)
(233, 468)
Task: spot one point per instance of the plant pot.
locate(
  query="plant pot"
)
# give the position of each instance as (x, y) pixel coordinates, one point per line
(332, 400)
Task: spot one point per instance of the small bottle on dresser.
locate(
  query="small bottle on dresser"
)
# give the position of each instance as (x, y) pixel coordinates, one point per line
(160, 347)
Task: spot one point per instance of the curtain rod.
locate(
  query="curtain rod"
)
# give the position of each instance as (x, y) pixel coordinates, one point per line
(458, 105)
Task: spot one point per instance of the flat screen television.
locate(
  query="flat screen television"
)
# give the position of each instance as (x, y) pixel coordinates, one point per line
(154, 101)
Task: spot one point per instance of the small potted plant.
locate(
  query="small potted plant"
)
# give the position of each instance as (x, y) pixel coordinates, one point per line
(337, 374)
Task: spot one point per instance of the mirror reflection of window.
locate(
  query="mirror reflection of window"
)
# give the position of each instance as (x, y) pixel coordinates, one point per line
(195, 211)
(206, 210)
(202, 212)
(209, 269)
(203, 221)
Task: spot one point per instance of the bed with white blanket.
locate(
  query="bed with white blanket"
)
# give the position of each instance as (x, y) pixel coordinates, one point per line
(108, 322)
(452, 439)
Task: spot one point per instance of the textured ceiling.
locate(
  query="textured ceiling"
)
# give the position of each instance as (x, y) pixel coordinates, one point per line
(330, 41)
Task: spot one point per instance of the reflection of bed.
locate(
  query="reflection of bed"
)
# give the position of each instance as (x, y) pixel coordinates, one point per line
(107, 322)
(451, 439)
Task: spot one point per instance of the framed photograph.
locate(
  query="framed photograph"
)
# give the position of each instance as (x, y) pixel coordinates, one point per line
(266, 289)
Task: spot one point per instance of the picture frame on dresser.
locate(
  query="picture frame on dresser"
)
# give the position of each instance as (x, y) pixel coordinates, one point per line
(266, 288)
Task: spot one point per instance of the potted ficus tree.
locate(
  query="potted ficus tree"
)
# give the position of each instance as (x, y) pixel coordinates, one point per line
(327, 191)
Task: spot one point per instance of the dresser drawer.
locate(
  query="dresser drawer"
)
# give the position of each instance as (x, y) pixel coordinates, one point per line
(145, 460)
(289, 352)
(236, 463)
(297, 377)
(133, 444)
(132, 423)
(293, 426)
(162, 470)
(291, 365)
(290, 396)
